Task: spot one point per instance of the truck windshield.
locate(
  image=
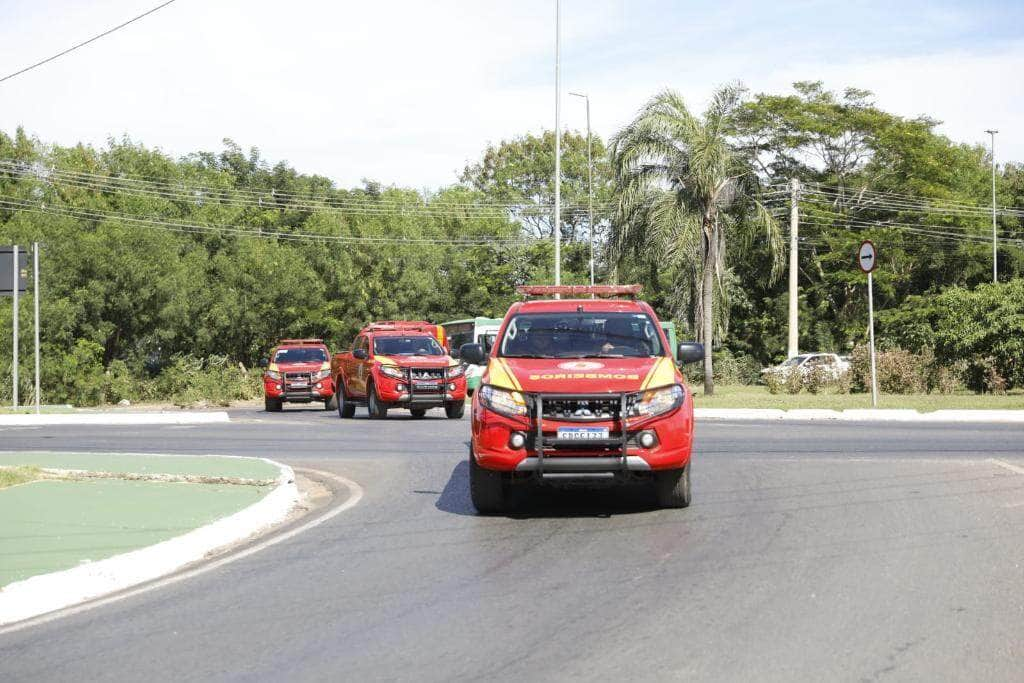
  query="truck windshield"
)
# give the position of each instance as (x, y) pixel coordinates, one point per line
(581, 335)
(300, 355)
(407, 346)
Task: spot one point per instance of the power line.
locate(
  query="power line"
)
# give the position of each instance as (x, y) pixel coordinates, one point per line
(253, 231)
(86, 42)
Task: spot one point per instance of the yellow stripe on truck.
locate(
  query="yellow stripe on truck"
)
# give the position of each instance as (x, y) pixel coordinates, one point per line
(663, 372)
(499, 375)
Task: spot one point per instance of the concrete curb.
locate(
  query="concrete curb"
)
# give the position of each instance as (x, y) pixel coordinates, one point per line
(48, 592)
(860, 415)
(154, 418)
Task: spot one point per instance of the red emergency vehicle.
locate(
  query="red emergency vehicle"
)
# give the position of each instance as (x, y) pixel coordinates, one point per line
(298, 371)
(580, 391)
(399, 364)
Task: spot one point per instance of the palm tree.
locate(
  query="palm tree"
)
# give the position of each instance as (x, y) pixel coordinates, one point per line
(686, 193)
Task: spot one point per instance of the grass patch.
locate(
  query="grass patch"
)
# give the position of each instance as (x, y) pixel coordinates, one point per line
(12, 476)
(758, 397)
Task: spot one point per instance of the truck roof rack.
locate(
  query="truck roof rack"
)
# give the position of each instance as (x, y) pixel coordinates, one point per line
(602, 291)
(302, 342)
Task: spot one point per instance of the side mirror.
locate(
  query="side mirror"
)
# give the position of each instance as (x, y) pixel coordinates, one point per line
(264, 362)
(360, 354)
(690, 352)
(472, 354)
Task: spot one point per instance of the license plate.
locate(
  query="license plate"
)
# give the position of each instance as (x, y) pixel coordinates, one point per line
(298, 385)
(582, 433)
(425, 385)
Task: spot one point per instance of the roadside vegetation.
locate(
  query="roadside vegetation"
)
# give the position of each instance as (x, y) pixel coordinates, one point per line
(172, 285)
(12, 476)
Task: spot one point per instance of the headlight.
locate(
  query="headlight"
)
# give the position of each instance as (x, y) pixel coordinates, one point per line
(502, 401)
(323, 374)
(273, 374)
(457, 371)
(657, 401)
(392, 371)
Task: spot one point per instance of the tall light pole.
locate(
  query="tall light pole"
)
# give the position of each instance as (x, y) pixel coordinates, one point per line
(590, 186)
(558, 144)
(995, 264)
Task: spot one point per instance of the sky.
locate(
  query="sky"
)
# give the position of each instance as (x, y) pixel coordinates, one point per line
(407, 93)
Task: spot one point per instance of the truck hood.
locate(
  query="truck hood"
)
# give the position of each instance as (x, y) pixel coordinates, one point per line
(416, 361)
(312, 366)
(589, 375)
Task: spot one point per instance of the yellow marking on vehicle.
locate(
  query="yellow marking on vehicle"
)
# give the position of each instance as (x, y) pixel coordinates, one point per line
(500, 376)
(662, 372)
(272, 367)
(385, 360)
(584, 375)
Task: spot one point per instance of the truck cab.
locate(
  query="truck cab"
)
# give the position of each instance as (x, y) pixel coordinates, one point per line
(399, 364)
(297, 371)
(580, 391)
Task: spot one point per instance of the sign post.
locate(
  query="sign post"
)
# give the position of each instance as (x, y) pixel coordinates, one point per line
(867, 259)
(35, 295)
(12, 282)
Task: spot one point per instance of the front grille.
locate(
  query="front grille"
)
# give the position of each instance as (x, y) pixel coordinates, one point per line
(427, 373)
(582, 409)
(303, 376)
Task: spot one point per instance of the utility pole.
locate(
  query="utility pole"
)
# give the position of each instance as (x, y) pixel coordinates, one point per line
(794, 228)
(590, 186)
(558, 144)
(35, 295)
(14, 293)
(995, 264)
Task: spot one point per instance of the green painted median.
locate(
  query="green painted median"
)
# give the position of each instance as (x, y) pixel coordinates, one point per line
(48, 525)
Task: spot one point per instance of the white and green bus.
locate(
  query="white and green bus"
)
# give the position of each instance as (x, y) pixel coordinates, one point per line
(481, 331)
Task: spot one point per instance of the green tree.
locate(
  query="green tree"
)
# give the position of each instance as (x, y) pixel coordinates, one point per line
(686, 191)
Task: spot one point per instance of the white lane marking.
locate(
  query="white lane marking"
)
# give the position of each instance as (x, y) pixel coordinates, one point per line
(355, 495)
(1007, 466)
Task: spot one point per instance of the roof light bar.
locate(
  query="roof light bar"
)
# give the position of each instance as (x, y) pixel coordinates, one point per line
(604, 291)
(301, 342)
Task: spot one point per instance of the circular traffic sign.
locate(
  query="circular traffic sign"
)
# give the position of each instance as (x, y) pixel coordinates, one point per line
(866, 256)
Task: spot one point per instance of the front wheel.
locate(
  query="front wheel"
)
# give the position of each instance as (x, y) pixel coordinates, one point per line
(672, 487)
(487, 488)
(418, 413)
(346, 409)
(377, 409)
(455, 409)
(272, 405)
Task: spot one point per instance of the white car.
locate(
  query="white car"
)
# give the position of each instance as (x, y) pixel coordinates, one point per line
(834, 364)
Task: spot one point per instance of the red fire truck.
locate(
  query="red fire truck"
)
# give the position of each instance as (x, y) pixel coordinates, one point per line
(297, 371)
(580, 391)
(399, 364)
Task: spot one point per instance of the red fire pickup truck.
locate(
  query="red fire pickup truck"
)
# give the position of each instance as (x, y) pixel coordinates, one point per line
(297, 372)
(580, 391)
(399, 364)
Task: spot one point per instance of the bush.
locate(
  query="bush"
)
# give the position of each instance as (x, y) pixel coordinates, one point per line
(187, 381)
(735, 368)
(817, 379)
(899, 371)
(793, 382)
(984, 326)
(774, 381)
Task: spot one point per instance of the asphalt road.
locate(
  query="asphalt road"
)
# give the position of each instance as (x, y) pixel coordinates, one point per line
(812, 551)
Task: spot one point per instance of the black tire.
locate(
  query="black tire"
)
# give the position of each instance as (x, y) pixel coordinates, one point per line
(418, 413)
(272, 405)
(487, 488)
(377, 410)
(346, 409)
(455, 409)
(672, 488)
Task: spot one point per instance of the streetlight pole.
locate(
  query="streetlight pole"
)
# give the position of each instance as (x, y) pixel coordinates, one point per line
(590, 186)
(995, 264)
(558, 144)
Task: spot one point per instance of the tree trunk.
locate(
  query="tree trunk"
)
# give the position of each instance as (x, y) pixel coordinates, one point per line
(708, 310)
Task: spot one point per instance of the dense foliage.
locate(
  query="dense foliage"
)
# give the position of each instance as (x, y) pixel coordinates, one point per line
(196, 265)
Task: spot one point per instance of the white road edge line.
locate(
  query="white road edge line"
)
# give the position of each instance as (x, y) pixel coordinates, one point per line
(1007, 466)
(355, 495)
